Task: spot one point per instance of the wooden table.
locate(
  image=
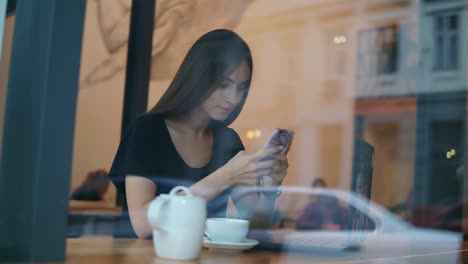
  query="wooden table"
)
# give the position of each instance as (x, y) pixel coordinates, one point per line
(92, 218)
(91, 206)
(106, 250)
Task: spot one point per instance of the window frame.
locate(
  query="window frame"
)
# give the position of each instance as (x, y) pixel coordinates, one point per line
(441, 62)
(376, 34)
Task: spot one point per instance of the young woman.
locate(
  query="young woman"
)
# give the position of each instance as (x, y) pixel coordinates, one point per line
(184, 139)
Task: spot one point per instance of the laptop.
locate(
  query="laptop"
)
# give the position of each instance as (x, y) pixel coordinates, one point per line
(304, 241)
(328, 241)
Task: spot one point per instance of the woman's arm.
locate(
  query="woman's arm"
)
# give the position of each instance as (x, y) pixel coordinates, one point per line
(140, 192)
(244, 168)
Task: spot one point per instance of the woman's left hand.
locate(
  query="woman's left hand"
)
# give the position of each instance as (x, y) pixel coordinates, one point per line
(278, 171)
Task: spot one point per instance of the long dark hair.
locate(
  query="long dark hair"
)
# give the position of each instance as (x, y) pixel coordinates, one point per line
(215, 54)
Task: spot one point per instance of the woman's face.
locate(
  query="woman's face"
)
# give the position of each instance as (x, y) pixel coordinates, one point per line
(229, 94)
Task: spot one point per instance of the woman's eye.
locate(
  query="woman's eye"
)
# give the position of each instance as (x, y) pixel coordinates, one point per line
(242, 87)
(224, 85)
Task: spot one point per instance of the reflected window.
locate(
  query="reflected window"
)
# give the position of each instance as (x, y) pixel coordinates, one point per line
(446, 40)
(378, 51)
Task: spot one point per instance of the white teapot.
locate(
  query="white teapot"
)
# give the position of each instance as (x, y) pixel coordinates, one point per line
(178, 223)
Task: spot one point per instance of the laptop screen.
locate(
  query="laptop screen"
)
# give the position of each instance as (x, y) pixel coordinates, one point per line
(361, 182)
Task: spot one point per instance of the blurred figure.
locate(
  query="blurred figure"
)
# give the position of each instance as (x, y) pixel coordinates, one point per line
(319, 183)
(323, 212)
(93, 188)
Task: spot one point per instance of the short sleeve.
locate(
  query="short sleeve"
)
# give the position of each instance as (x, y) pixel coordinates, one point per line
(238, 145)
(139, 149)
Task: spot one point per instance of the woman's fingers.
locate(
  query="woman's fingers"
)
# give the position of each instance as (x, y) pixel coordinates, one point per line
(281, 163)
(288, 146)
(276, 161)
(251, 181)
(266, 152)
(272, 165)
(252, 177)
(267, 164)
(279, 157)
(280, 171)
(262, 173)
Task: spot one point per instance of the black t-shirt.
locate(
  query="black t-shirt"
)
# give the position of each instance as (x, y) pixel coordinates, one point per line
(147, 150)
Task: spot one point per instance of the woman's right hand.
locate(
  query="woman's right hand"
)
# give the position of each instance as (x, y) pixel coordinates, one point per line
(247, 166)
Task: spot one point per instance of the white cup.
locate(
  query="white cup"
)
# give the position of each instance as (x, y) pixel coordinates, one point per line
(178, 223)
(226, 229)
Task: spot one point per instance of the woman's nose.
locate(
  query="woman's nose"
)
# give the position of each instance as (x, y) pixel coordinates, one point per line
(231, 95)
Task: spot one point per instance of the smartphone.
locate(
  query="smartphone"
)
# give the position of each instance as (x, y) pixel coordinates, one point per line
(280, 137)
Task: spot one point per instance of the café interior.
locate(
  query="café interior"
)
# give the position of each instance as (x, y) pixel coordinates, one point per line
(375, 91)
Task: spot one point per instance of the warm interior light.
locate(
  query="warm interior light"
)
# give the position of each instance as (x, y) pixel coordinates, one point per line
(250, 134)
(253, 133)
(339, 39)
(258, 133)
(336, 40)
(343, 39)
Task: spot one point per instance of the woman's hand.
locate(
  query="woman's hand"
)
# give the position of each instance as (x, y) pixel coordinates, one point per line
(246, 167)
(278, 171)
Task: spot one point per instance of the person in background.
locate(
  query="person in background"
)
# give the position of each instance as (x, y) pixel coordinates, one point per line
(93, 188)
(322, 212)
(185, 140)
(319, 183)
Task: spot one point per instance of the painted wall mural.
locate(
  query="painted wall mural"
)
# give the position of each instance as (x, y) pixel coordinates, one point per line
(178, 23)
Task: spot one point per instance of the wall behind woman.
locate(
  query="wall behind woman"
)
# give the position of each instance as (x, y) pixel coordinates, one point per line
(99, 108)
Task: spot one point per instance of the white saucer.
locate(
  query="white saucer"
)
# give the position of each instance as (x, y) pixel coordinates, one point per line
(229, 247)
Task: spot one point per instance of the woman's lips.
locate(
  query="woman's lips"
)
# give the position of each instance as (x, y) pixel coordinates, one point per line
(225, 109)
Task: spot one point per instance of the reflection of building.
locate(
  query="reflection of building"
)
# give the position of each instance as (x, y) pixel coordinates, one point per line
(309, 63)
(395, 65)
(300, 84)
(411, 97)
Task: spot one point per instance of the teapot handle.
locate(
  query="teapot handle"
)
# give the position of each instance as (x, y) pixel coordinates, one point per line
(154, 212)
(181, 188)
